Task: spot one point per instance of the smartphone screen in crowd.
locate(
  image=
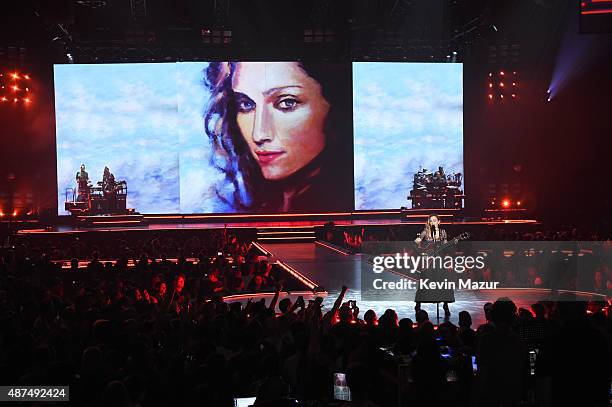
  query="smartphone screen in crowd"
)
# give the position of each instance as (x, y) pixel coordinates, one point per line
(341, 389)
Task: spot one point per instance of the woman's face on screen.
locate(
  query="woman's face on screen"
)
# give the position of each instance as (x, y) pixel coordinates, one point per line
(281, 114)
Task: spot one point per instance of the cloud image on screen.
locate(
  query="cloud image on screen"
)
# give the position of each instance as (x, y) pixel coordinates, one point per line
(122, 116)
(199, 137)
(406, 117)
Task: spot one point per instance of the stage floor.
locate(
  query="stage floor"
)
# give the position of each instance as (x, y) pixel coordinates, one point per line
(332, 270)
(244, 223)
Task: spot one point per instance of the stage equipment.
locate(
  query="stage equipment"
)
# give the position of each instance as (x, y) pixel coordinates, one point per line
(436, 190)
(104, 199)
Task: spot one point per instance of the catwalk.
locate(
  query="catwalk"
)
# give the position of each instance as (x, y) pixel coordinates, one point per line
(331, 270)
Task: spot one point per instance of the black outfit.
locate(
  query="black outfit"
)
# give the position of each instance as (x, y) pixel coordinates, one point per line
(82, 179)
(432, 247)
(318, 186)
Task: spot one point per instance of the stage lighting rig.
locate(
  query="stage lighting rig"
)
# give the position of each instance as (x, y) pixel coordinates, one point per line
(502, 85)
(15, 87)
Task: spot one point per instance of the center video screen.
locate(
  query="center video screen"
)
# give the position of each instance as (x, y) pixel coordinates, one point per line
(408, 135)
(260, 137)
(206, 137)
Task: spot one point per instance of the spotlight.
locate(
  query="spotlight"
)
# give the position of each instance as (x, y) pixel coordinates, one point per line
(15, 100)
(490, 96)
(26, 76)
(490, 73)
(15, 75)
(1, 214)
(501, 84)
(27, 100)
(518, 203)
(502, 73)
(15, 88)
(513, 84)
(14, 213)
(4, 99)
(506, 203)
(501, 96)
(549, 98)
(490, 85)
(514, 95)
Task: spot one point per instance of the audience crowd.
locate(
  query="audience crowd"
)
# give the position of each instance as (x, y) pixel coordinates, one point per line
(159, 333)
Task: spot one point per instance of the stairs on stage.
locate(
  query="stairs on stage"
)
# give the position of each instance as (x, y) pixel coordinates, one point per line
(286, 234)
(126, 220)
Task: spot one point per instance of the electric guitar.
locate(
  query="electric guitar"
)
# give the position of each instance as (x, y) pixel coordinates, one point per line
(432, 249)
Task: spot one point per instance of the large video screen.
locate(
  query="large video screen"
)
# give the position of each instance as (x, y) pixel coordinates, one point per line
(408, 135)
(207, 137)
(260, 137)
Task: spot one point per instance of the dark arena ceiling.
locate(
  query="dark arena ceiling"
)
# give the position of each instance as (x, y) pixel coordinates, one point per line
(158, 30)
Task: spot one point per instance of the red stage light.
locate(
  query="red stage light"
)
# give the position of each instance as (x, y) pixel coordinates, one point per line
(15, 100)
(15, 75)
(27, 76)
(501, 84)
(490, 73)
(15, 87)
(513, 95)
(513, 83)
(490, 96)
(518, 203)
(27, 89)
(27, 100)
(506, 203)
(1, 214)
(502, 73)
(4, 99)
(490, 85)
(501, 96)
(14, 213)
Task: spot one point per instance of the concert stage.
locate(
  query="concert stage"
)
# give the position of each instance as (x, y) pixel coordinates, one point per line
(331, 270)
(109, 223)
(296, 242)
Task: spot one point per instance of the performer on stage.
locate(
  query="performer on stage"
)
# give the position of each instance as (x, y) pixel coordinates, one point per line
(431, 239)
(109, 187)
(82, 179)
